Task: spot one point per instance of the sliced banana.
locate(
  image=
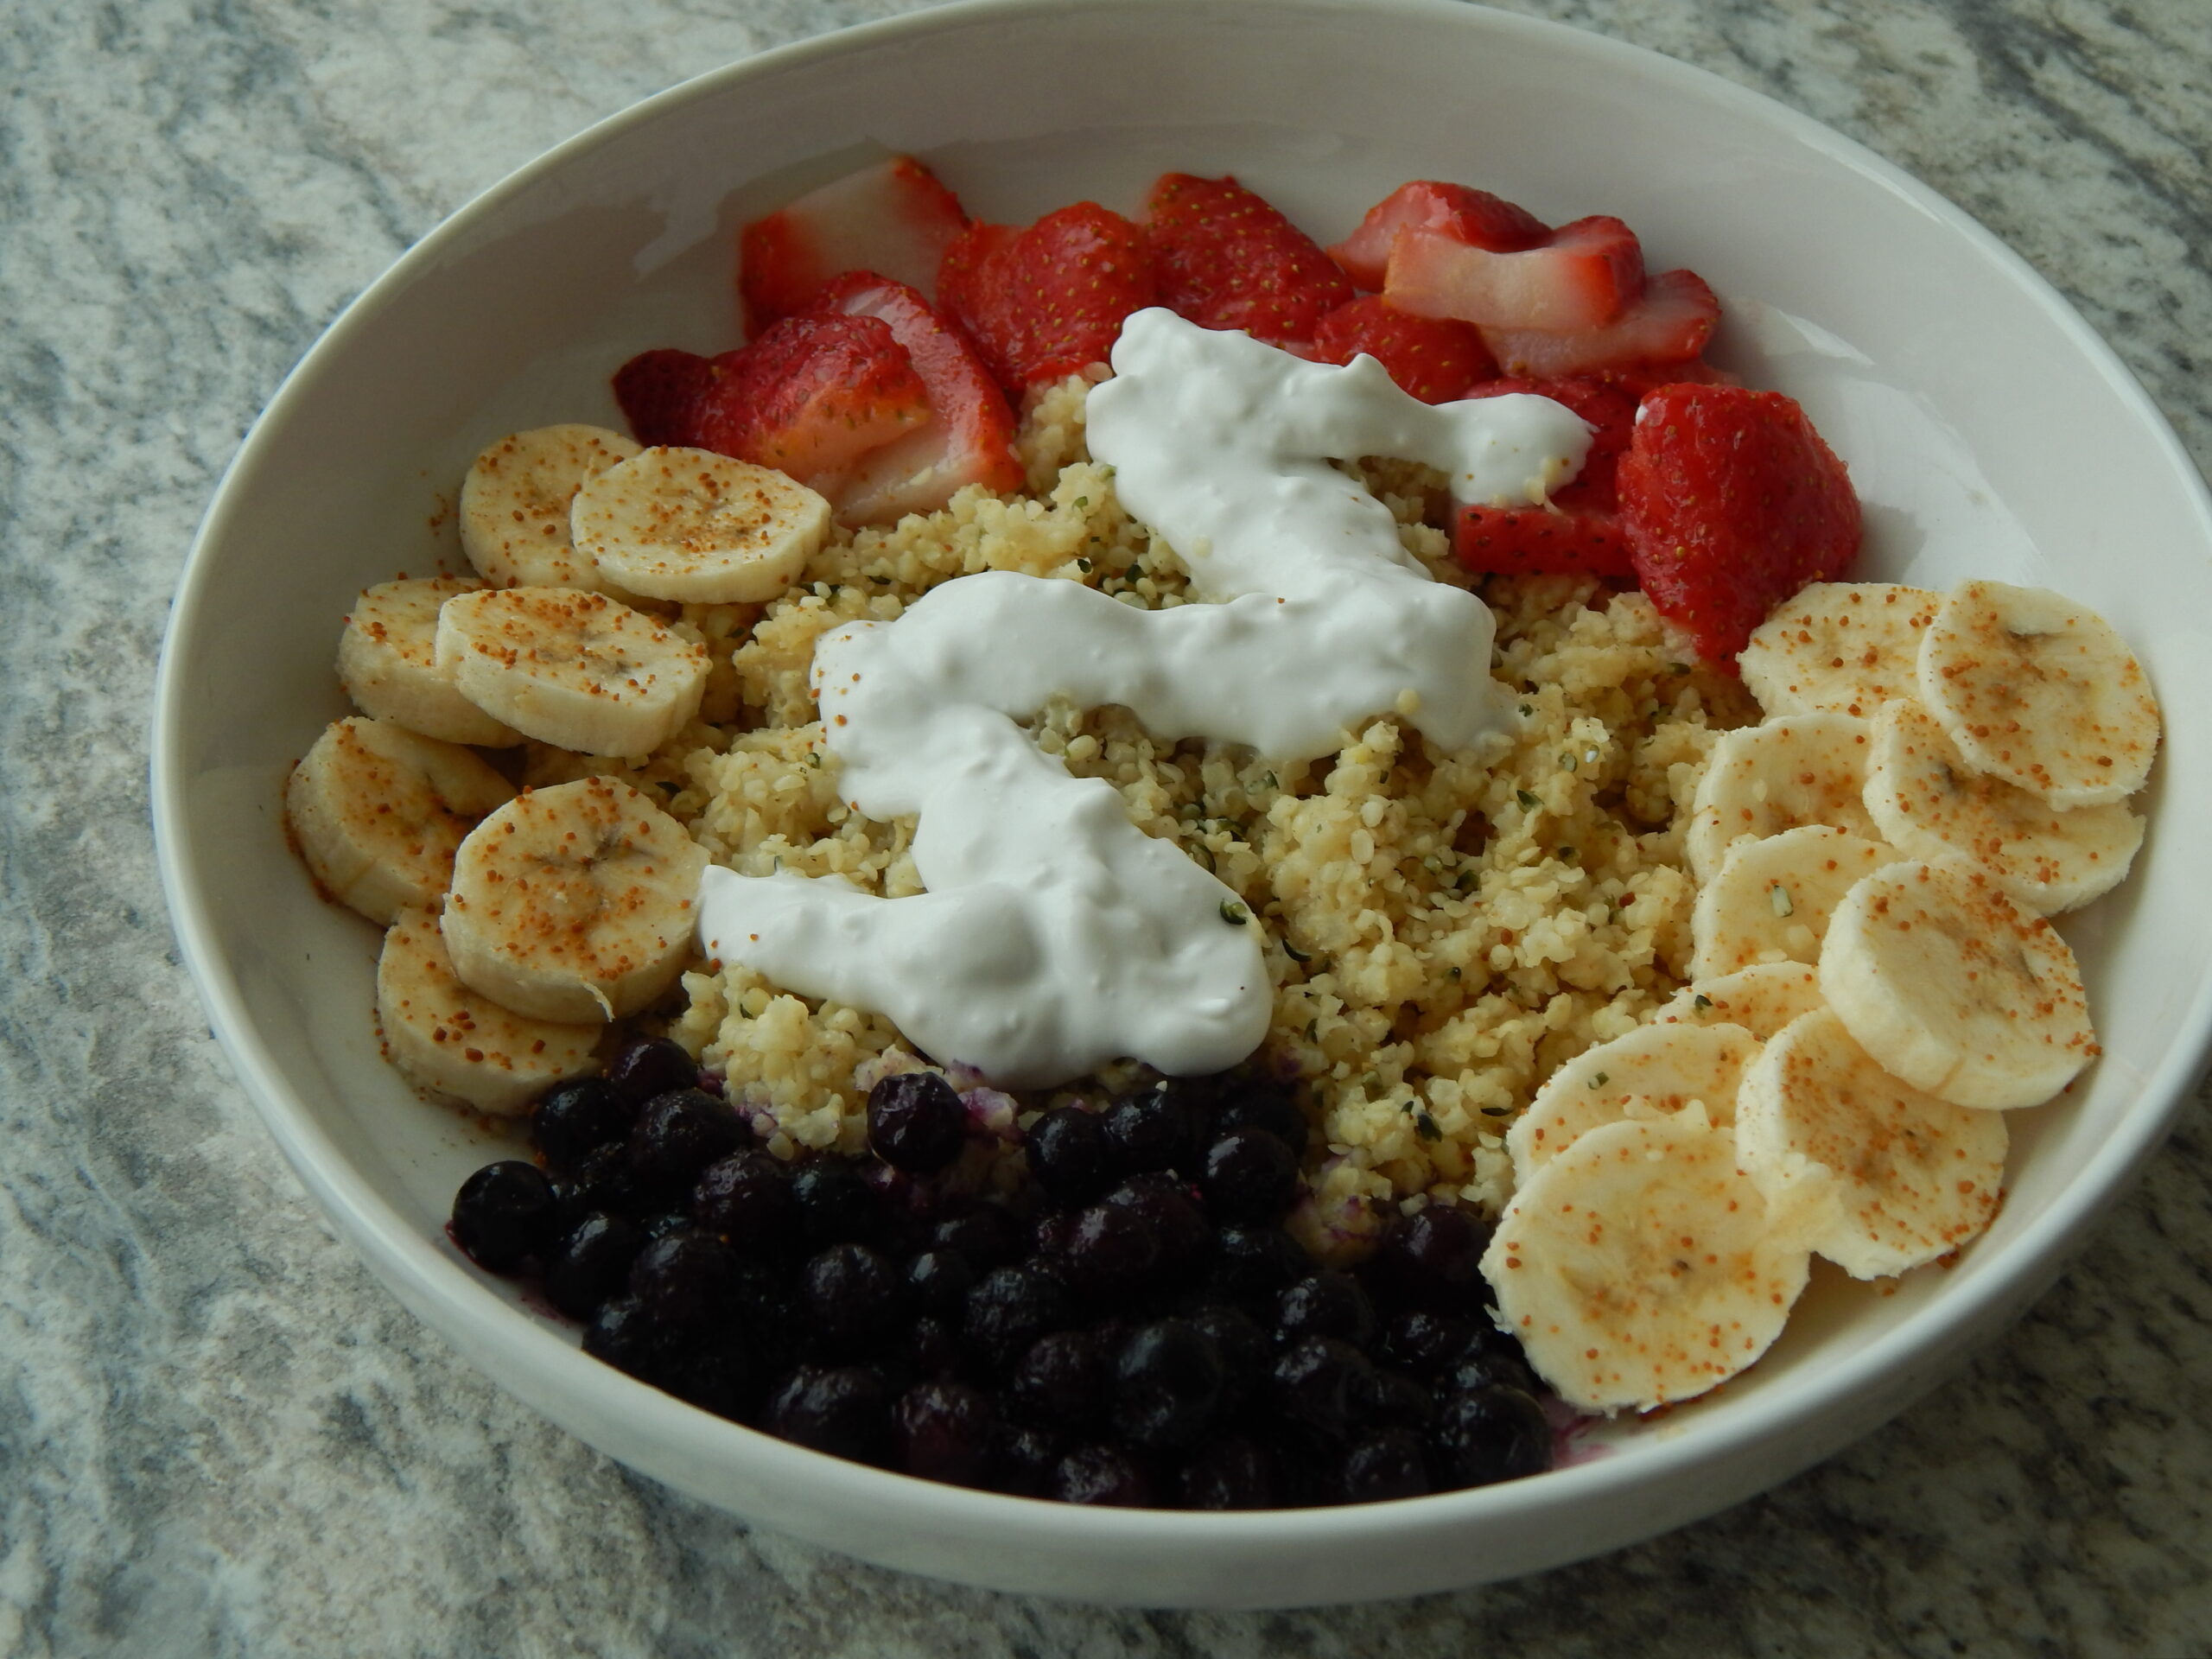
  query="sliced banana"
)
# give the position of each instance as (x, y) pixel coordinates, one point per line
(378, 812)
(1927, 801)
(573, 903)
(1665, 1067)
(388, 662)
(1955, 988)
(1839, 648)
(516, 499)
(2040, 692)
(1770, 899)
(452, 1044)
(691, 525)
(1642, 1266)
(1765, 779)
(578, 671)
(1884, 1177)
(1762, 999)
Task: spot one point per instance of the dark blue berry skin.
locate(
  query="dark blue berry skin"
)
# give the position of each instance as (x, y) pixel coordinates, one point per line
(938, 1282)
(1060, 1383)
(1423, 1342)
(1319, 1384)
(1186, 1236)
(845, 1411)
(1494, 1363)
(746, 1198)
(1385, 1464)
(916, 1122)
(1236, 1473)
(835, 1206)
(715, 1377)
(1394, 1400)
(1249, 1178)
(685, 1281)
(1107, 1254)
(1159, 1129)
(853, 1301)
(678, 1134)
(1166, 1385)
(1070, 1156)
(946, 1430)
(645, 1069)
(572, 1118)
(1489, 1435)
(1253, 1266)
(503, 1214)
(1027, 1460)
(624, 1336)
(1008, 1309)
(932, 1348)
(592, 1264)
(1102, 1474)
(1325, 1303)
(601, 1184)
(987, 1236)
(1246, 1353)
(1262, 1104)
(1432, 1259)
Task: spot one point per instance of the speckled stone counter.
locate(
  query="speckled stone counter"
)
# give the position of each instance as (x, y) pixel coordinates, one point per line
(217, 1436)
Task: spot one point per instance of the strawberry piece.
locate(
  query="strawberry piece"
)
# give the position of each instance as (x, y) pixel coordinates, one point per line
(1043, 302)
(894, 219)
(814, 393)
(661, 392)
(1435, 360)
(1583, 276)
(1671, 324)
(1609, 409)
(1224, 258)
(1475, 218)
(1529, 541)
(1731, 503)
(969, 436)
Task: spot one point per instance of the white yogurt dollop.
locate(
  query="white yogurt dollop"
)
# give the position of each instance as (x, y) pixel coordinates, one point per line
(1056, 935)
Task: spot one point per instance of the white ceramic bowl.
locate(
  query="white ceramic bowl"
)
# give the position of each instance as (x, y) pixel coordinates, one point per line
(1990, 432)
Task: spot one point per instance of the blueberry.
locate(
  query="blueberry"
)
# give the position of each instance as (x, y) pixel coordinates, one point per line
(1432, 1258)
(1060, 1382)
(932, 1347)
(1166, 1385)
(1235, 1473)
(1008, 1309)
(622, 1335)
(645, 1069)
(938, 1282)
(1108, 1253)
(1394, 1400)
(916, 1121)
(572, 1118)
(1184, 1234)
(685, 1281)
(844, 1411)
(715, 1377)
(1252, 1266)
(592, 1264)
(746, 1198)
(1102, 1474)
(945, 1430)
(835, 1206)
(988, 1236)
(1027, 1460)
(1158, 1129)
(1494, 1361)
(1249, 1178)
(678, 1134)
(1319, 1383)
(1488, 1435)
(1423, 1341)
(1069, 1156)
(1245, 1352)
(602, 1183)
(1383, 1465)
(852, 1300)
(1262, 1103)
(1325, 1303)
(504, 1214)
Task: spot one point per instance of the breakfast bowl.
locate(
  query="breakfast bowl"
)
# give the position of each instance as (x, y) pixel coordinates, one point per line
(1988, 431)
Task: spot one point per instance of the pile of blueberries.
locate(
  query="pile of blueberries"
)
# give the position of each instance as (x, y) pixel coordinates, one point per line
(1134, 1327)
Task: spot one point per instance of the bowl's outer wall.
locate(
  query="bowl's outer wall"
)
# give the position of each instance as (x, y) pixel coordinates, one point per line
(1987, 429)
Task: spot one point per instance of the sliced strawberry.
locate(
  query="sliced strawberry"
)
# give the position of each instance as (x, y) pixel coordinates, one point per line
(1226, 259)
(894, 219)
(1731, 503)
(969, 437)
(1611, 411)
(1475, 218)
(1585, 275)
(660, 393)
(1671, 324)
(814, 393)
(1529, 541)
(1043, 302)
(1435, 360)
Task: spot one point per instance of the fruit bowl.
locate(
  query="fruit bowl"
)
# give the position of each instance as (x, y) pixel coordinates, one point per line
(1989, 432)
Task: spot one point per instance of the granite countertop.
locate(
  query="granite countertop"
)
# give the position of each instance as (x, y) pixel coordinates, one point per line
(217, 1435)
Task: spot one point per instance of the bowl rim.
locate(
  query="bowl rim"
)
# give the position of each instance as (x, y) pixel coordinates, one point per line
(439, 1286)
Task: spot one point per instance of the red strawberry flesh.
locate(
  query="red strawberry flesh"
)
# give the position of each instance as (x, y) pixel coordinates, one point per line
(1047, 302)
(814, 393)
(1672, 323)
(894, 219)
(1531, 541)
(1224, 258)
(1731, 503)
(1475, 218)
(1435, 360)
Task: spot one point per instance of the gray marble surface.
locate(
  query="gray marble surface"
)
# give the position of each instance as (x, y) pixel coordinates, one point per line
(217, 1436)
